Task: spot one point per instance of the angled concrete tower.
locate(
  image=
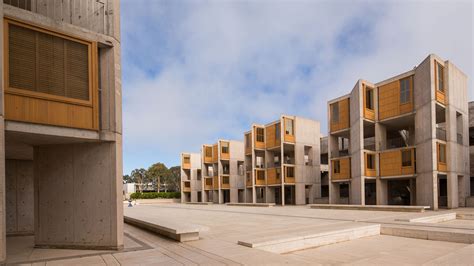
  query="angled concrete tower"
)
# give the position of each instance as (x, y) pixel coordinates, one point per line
(61, 124)
(402, 141)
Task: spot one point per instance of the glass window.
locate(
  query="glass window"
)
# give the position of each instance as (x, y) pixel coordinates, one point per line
(208, 151)
(440, 77)
(405, 90)
(406, 158)
(442, 153)
(260, 134)
(369, 99)
(337, 167)
(370, 161)
(277, 131)
(335, 112)
(225, 147)
(290, 172)
(289, 126)
(247, 140)
(225, 180)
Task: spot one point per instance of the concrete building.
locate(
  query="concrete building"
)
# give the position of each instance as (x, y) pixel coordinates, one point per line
(191, 184)
(223, 172)
(60, 135)
(282, 161)
(471, 153)
(324, 172)
(402, 141)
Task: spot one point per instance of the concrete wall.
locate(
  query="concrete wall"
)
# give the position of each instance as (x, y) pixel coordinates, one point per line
(19, 197)
(77, 196)
(356, 145)
(3, 247)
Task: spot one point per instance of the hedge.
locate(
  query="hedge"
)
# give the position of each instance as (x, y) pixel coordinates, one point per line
(155, 195)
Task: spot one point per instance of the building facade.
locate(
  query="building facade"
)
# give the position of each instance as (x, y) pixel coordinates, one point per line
(471, 152)
(223, 172)
(401, 141)
(191, 184)
(60, 135)
(282, 161)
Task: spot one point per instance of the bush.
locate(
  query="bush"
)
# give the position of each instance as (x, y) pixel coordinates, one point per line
(155, 195)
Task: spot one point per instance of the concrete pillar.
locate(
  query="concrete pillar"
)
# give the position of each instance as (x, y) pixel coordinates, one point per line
(78, 195)
(269, 195)
(300, 194)
(334, 193)
(382, 191)
(453, 196)
(3, 244)
(234, 195)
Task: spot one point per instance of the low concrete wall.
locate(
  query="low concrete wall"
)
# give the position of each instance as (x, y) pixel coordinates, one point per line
(154, 201)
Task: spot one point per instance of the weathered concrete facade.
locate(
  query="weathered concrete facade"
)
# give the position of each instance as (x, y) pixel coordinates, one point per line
(61, 154)
(470, 200)
(191, 184)
(282, 161)
(402, 141)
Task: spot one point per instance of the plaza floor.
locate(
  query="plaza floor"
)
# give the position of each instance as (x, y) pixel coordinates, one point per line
(221, 227)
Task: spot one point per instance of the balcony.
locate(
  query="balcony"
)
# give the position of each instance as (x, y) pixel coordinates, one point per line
(370, 165)
(186, 186)
(289, 174)
(208, 183)
(274, 176)
(339, 115)
(272, 136)
(225, 150)
(341, 169)
(398, 162)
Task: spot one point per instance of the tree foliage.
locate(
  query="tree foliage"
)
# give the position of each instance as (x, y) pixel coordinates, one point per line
(158, 175)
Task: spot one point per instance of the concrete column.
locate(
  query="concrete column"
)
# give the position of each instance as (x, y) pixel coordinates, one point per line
(300, 194)
(269, 195)
(234, 195)
(3, 244)
(382, 191)
(334, 193)
(78, 195)
(453, 198)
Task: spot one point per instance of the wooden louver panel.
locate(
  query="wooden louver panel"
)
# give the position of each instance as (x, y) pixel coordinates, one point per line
(45, 63)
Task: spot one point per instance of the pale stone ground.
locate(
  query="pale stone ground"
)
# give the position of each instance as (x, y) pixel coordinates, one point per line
(222, 226)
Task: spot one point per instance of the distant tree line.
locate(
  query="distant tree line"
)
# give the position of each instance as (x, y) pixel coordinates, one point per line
(157, 177)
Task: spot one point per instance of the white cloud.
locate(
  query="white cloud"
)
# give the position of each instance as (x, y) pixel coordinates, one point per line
(198, 72)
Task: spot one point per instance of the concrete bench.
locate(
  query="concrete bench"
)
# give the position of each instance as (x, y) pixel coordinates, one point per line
(429, 218)
(392, 208)
(456, 235)
(170, 229)
(251, 204)
(297, 239)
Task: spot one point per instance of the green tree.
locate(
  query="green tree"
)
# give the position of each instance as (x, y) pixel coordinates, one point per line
(139, 176)
(174, 178)
(128, 179)
(156, 173)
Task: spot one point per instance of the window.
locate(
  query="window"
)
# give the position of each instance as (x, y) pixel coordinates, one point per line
(406, 158)
(208, 151)
(259, 162)
(405, 90)
(45, 63)
(240, 167)
(247, 140)
(277, 131)
(278, 173)
(371, 161)
(289, 129)
(208, 181)
(225, 180)
(186, 159)
(261, 175)
(336, 167)
(335, 113)
(260, 134)
(225, 147)
(439, 77)
(290, 172)
(369, 98)
(324, 191)
(441, 153)
(187, 184)
(199, 174)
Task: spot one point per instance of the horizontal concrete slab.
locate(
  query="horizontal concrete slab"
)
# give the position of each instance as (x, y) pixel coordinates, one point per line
(431, 218)
(171, 229)
(199, 203)
(392, 208)
(311, 238)
(456, 235)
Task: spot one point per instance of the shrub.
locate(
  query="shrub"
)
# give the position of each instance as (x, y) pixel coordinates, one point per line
(155, 195)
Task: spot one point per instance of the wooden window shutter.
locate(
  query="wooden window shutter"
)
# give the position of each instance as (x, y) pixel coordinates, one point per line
(46, 63)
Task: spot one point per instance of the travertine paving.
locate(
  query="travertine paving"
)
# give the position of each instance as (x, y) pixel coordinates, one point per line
(222, 226)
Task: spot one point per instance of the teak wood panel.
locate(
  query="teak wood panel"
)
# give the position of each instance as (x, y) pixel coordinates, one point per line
(225, 186)
(208, 159)
(248, 179)
(289, 137)
(389, 100)
(343, 122)
(368, 171)
(260, 182)
(270, 137)
(186, 186)
(289, 179)
(42, 108)
(345, 169)
(215, 182)
(184, 164)
(208, 183)
(391, 163)
(440, 95)
(258, 144)
(272, 178)
(368, 113)
(248, 143)
(441, 166)
(225, 156)
(215, 150)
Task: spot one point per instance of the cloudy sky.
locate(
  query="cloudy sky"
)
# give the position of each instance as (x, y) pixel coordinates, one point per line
(196, 71)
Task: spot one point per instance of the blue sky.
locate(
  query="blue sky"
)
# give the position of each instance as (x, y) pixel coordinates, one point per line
(197, 71)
